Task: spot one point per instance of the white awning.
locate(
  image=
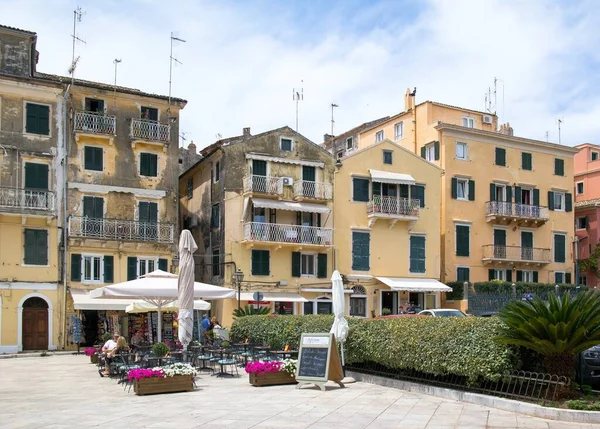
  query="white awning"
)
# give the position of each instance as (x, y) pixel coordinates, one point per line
(414, 285)
(395, 178)
(274, 296)
(82, 301)
(289, 205)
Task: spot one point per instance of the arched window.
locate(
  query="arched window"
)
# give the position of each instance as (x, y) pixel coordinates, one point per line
(359, 290)
(358, 302)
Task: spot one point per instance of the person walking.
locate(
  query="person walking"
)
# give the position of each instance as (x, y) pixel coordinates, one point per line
(205, 327)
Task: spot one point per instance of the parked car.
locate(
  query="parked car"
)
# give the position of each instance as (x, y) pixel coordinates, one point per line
(590, 366)
(442, 312)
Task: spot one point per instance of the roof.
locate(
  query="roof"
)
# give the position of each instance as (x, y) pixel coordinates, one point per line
(65, 80)
(359, 128)
(592, 145)
(6, 27)
(588, 203)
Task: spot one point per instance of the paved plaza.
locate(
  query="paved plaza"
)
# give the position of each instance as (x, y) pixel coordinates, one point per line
(66, 392)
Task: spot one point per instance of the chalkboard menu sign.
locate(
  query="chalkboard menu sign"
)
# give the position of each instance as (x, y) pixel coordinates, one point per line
(318, 361)
(314, 362)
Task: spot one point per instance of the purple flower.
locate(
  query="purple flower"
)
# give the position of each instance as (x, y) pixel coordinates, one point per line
(139, 373)
(257, 367)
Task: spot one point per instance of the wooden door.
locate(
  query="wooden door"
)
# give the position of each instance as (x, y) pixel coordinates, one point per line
(35, 328)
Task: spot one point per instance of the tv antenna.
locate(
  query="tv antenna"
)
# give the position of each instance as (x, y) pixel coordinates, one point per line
(171, 59)
(183, 137)
(333, 106)
(559, 121)
(116, 61)
(547, 137)
(77, 14)
(298, 95)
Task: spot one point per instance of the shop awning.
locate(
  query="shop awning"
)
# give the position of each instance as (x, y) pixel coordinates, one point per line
(414, 285)
(274, 296)
(82, 301)
(289, 205)
(394, 178)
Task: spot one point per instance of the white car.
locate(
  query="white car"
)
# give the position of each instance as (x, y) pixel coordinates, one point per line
(443, 312)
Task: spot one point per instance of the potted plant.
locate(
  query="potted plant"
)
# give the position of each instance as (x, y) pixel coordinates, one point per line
(271, 373)
(160, 350)
(92, 353)
(177, 377)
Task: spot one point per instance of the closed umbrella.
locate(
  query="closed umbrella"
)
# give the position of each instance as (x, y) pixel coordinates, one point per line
(340, 324)
(187, 247)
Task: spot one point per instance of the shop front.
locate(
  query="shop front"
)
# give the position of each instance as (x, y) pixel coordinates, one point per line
(398, 294)
(284, 303)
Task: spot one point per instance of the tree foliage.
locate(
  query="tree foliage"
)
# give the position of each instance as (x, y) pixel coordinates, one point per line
(250, 310)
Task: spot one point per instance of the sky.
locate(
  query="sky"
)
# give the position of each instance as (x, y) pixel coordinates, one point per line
(242, 59)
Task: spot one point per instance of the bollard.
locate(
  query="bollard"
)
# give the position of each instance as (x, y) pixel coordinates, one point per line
(514, 290)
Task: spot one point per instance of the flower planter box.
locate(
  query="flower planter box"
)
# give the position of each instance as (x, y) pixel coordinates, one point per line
(94, 359)
(271, 379)
(150, 386)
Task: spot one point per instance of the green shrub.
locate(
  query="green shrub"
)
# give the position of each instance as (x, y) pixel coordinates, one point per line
(160, 349)
(441, 346)
(579, 404)
(457, 291)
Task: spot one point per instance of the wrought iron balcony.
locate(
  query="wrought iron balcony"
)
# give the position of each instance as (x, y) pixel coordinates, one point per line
(316, 190)
(120, 229)
(515, 254)
(263, 185)
(287, 234)
(149, 130)
(95, 123)
(393, 208)
(505, 212)
(17, 200)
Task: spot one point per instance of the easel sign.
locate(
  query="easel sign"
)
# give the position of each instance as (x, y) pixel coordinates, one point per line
(318, 361)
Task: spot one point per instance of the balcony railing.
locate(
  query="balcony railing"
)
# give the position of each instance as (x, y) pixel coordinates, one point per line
(27, 199)
(120, 229)
(513, 210)
(96, 123)
(280, 233)
(317, 190)
(393, 206)
(149, 130)
(263, 184)
(516, 254)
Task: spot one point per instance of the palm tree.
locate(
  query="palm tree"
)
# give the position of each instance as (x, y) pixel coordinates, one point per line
(249, 310)
(558, 329)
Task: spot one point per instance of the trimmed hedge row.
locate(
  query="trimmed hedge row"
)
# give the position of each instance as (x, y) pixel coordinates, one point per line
(441, 346)
(501, 287)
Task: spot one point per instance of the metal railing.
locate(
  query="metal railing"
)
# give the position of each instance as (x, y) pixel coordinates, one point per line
(523, 211)
(149, 130)
(393, 206)
(120, 229)
(30, 199)
(280, 233)
(263, 184)
(97, 123)
(516, 253)
(308, 189)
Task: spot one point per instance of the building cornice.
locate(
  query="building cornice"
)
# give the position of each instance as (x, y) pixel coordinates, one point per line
(105, 189)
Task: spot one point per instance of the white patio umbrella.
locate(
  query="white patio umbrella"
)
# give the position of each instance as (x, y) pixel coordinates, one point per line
(158, 288)
(187, 247)
(340, 324)
(172, 307)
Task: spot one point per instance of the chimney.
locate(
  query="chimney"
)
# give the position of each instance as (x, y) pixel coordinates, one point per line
(247, 132)
(192, 148)
(327, 137)
(409, 99)
(506, 129)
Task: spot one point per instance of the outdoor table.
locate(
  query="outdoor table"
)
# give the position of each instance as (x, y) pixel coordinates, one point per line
(204, 358)
(222, 372)
(262, 350)
(245, 345)
(291, 354)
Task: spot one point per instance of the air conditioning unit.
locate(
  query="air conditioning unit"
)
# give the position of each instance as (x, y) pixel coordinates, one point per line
(287, 181)
(487, 119)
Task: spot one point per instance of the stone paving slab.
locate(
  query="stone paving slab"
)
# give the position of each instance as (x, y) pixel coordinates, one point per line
(66, 392)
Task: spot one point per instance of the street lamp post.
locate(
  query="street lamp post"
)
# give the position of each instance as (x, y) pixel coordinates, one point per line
(239, 278)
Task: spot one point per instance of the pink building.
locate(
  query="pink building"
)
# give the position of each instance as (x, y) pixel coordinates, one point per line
(587, 207)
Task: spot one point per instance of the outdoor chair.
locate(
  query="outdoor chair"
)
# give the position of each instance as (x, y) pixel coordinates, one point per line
(126, 363)
(225, 362)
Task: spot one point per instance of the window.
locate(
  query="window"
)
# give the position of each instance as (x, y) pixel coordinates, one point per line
(461, 151)
(462, 189)
(148, 164)
(399, 130)
(190, 188)
(417, 254)
(215, 217)
(94, 105)
(217, 175)
(93, 158)
(463, 274)
(560, 248)
(387, 156)
(500, 157)
(149, 113)
(418, 193)
(360, 189)
(37, 119)
(36, 177)
(340, 154)
(526, 161)
(462, 240)
(379, 136)
(559, 201)
(360, 250)
(286, 144)
(308, 265)
(527, 276)
(559, 277)
(146, 265)
(468, 122)
(559, 167)
(148, 212)
(308, 308)
(595, 156)
(582, 222)
(358, 302)
(579, 188)
(430, 153)
(216, 262)
(36, 247)
(499, 275)
(92, 269)
(349, 144)
(260, 263)
(583, 280)
(284, 308)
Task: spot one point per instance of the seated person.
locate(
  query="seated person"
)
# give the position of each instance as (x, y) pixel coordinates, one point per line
(107, 349)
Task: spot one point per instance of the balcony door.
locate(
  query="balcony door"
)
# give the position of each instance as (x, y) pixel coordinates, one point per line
(259, 176)
(93, 105)
(36, 186)
(308, 220)
(527, 245)
(148, 220)
(309, 177)
(93, 212)
(384, 196)
(500, 243)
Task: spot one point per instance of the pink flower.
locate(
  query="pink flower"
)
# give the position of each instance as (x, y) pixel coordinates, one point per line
(258, 367)
(139, 373)
(90, 351)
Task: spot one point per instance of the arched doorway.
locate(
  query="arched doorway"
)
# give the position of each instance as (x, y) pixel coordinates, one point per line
(35, 324)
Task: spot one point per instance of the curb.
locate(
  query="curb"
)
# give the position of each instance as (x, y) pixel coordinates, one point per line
(36, 354)
(534, 410)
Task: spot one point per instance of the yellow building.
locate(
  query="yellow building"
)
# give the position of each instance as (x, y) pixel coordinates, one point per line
(262, 205)
(31, 109)
(387, 229)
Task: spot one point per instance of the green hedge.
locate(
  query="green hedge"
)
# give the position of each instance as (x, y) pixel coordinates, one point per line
(441, 346)
(504, 287)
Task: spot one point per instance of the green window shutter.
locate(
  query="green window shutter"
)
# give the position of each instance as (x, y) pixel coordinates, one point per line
(491, 274)
(44, 120)
(436, 149)
(215, 216)
(509, 194)
(296, 264)
(36, 176)
(492, 192)
(30, 247)
(404, 191)
(526, 162)
(508, 275)
(462, 240)
(360, 250)
(153, 165)
(93, 158)
(143, 164)
(559, 248)
(471, 190)
(536, 197)
(131, 268)
(568, 202)
(568, 278)
(322, 265)
(163, 264)
(535, 276)
(418, 193)
(259, 167)
(550, 200)
(500, 156)
(454, 186)
(463, 274)
(42, 246)
(38, 119)
(417, 254)
(518, 194)
(109, 268)
(559, 167)
(75, 267)
(31, 122)
(260, 263)
(376, 188)
(361, 189)
(519, 275)
(423, 152)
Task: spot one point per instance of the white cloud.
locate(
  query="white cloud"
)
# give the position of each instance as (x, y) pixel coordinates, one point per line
(241, 61)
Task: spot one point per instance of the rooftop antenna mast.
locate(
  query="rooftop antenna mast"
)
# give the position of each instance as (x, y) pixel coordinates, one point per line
(116, 61)
(298, 95)
(547, 137)
(560, 121)
(77, 14)
(333, 106)
(171, 59)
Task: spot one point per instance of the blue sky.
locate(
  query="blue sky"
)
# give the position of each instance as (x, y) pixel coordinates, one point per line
(242, 59)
